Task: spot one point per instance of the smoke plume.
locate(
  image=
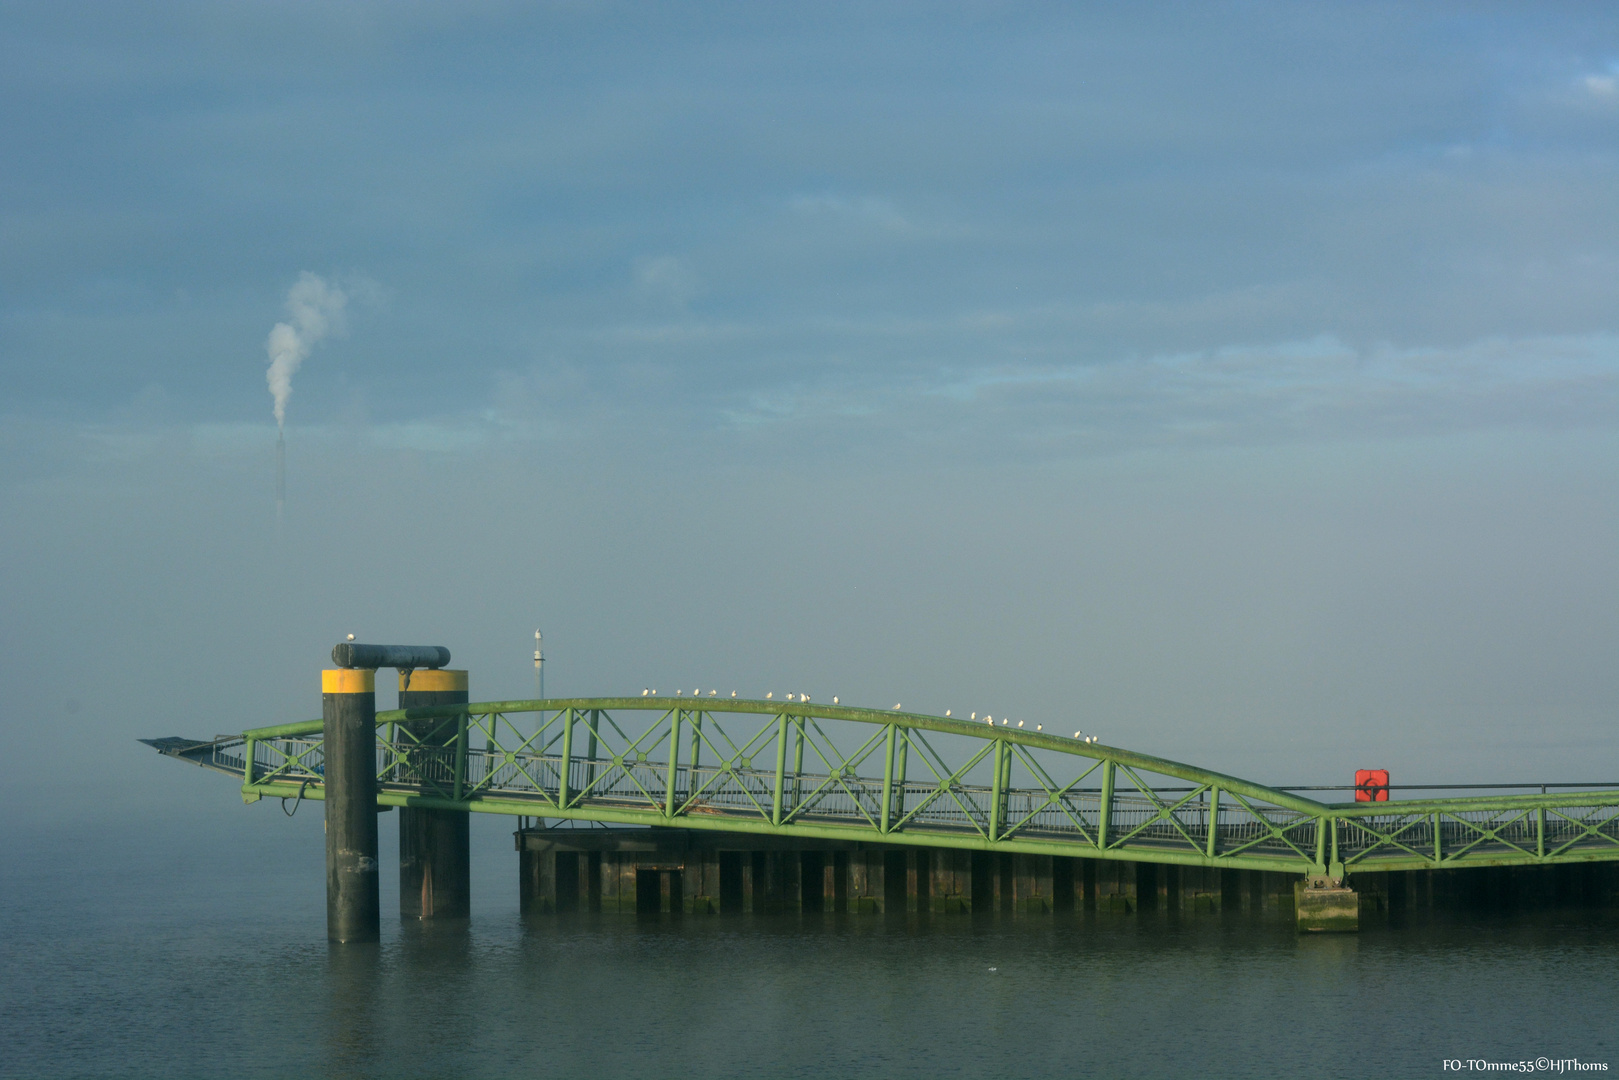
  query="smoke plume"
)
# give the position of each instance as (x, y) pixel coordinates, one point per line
(314, 309)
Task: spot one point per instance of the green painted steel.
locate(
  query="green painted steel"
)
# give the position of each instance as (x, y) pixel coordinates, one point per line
(853, 778)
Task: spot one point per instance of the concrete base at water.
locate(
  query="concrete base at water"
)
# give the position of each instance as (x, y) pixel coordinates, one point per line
(1325, 906)
(700, 872)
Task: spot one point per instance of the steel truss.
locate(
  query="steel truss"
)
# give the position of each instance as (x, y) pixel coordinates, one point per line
(830, 772)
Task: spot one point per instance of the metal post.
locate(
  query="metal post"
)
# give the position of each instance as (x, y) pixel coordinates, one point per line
(435, 860)
(1104, 814)
(888, 778)
(349, 740)
(674, 763)
(567, 760)
(995, 791)
(1540, 832)
(1214, 822)
(250, 747)
(1320, 844)
(462, 739)
(590, 748)
(781, 769)
(899, 776)
(798, 762)
(1438, 855)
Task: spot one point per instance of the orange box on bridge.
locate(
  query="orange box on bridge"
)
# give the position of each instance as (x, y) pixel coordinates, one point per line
(1371, 785)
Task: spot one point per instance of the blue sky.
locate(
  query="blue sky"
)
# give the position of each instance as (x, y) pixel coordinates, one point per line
(1236, 374)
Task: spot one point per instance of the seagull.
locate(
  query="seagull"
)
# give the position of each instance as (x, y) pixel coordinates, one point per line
(803, 697)
(975, 716)
(770, 695)
(1037, 727)
(1004, 721)
(713, 693)
(896, 704)
(733, 693)
(1020, 723)
(988, 719)
(644, 691)
(947, 712)
(789, 697)
(1077, 734)
(834, 699)
(351, 637)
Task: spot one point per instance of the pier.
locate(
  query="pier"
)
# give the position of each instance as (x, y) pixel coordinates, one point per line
(709, 804)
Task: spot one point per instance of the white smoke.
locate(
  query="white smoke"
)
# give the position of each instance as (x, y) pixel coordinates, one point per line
(314, 310)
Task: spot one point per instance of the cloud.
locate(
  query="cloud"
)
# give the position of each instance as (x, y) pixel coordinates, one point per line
(1295, 391)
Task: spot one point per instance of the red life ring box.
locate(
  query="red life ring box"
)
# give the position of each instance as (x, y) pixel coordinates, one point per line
(1371, 785)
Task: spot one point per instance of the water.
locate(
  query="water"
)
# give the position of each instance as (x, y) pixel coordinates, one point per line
(126, 954)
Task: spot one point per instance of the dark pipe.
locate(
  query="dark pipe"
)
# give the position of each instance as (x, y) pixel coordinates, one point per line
(349, 654)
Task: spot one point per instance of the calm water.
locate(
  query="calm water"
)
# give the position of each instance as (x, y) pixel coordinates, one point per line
(143, 953)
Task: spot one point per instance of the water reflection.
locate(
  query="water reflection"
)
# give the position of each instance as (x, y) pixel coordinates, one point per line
(354, 978)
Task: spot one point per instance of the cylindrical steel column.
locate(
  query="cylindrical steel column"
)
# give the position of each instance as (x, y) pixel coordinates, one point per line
(435, 864)
(349, 709)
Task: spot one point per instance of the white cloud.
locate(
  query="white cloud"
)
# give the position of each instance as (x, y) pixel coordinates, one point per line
(1603, 86)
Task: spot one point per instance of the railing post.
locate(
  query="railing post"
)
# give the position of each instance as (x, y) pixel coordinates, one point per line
(781, 769)
(1438, 854)
(996, 789)
(1540, 833)
(567, 760)
(1214, 823)
(888, 780)
(1104, 815)
(674, 763)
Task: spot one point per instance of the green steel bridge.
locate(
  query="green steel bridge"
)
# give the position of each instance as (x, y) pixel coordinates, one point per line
(803, 769)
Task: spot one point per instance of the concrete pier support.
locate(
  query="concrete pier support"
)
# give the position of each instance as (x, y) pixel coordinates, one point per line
(435, 865)
(349, 712)
(700, 872)
(1324, 905)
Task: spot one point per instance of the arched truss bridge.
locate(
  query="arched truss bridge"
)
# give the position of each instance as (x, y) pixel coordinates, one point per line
(811, 770)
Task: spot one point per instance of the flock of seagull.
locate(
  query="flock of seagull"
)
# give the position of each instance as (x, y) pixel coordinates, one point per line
(988, 719)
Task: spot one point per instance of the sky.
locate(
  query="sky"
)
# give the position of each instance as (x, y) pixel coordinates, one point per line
(1237, 381)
